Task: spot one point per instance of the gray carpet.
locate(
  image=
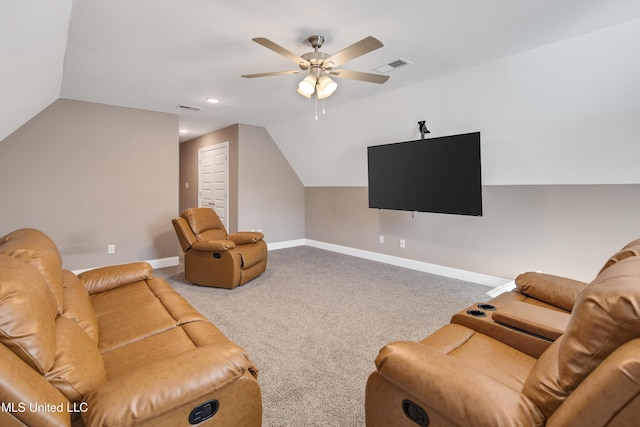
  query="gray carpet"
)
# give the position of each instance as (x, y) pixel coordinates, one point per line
(314, 322)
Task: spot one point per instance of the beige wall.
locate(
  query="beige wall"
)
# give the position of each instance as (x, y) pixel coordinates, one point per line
(565, 229)
(264, 191)
(90, 175)
(271, 195)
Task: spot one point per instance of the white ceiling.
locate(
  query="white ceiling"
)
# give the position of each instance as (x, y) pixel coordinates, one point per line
(157, 54)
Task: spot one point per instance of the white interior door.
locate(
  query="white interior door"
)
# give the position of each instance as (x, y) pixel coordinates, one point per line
(213, 179)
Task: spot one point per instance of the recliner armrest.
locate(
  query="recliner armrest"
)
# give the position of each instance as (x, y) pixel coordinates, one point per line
(245, 237)
(213, 245)
(540, 321)
(105, 278)
(440, 381)
(558, 291)
(160, 388)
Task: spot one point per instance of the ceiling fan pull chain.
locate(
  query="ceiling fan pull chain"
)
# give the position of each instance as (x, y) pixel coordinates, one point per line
(316, 108)
(323, 107)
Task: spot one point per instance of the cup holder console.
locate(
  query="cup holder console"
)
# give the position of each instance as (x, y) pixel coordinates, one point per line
(476, 313)
(487, 307)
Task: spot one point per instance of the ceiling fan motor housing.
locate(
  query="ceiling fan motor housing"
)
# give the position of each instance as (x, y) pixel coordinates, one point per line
(316, 41)
(316, 59)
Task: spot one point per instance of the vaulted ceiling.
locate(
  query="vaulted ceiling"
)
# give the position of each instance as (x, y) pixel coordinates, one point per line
(158, 54)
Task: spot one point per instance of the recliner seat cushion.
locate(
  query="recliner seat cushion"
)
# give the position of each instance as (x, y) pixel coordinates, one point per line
(485, 354)
(120, 325)
(164, 345)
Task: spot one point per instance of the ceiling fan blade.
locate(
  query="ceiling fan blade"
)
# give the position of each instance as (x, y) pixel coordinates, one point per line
(358, 75)
(357, 49)
(280, 50)
(274, 73)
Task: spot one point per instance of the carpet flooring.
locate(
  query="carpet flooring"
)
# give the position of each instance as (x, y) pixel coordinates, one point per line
(313, 324)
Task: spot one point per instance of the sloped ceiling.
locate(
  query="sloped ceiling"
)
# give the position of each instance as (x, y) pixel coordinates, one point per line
(33, 39)
(157, 54)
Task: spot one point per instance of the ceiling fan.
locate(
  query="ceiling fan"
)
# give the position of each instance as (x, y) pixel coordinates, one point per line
(319, 65)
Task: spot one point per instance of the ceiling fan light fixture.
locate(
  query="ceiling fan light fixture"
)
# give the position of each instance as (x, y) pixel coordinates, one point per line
(326, 86)
(307, 86)
(308, 96)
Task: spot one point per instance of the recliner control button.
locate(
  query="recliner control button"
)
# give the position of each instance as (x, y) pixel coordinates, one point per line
(203, 412)
(415, 413)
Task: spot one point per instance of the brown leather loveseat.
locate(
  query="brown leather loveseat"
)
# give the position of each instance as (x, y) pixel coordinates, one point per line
(111, 346)
(476, 374)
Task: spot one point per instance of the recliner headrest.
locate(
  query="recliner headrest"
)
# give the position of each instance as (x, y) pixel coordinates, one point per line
(202, 219)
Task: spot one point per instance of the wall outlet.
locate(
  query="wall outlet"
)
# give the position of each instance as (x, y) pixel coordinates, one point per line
(381, 239)
(402, 243)
(111, 249)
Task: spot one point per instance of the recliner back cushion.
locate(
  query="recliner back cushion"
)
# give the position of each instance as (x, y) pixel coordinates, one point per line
(77, 305)
(542, 385)
(205, 224)
(78, 368)
(36, 248)
(27, 314)
(629, 250)
(606, 315)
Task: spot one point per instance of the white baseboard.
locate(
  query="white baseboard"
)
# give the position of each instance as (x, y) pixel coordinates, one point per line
(155, 263)
(455, 273)
(285, 244)
(164, 262)
(507, 287)
(498, 283)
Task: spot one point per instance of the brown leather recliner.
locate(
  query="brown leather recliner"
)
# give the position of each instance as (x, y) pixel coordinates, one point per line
(538, 307)
(457, 377)
(214, 258)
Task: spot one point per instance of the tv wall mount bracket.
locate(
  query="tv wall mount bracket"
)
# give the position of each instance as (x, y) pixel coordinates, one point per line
(423, 129)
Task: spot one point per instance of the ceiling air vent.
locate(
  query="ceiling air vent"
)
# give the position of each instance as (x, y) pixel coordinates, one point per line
(392, 65)
(190, 107)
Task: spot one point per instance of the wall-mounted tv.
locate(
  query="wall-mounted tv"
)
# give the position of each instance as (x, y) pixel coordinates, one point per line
(441, 175)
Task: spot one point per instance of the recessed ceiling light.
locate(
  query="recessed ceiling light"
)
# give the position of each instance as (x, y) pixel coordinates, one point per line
(184, 131)
(212, 100)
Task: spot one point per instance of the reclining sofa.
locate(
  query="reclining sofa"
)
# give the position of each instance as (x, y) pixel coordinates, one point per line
(511, 371)
(112, 346)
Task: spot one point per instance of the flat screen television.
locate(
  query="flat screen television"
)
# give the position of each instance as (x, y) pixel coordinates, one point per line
(441, 175)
